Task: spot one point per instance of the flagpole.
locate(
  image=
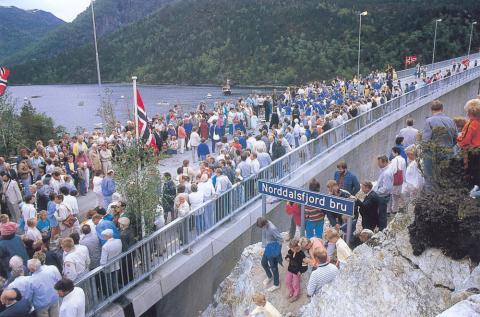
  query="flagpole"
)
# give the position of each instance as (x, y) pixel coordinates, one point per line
(135, 106)
(139, 168)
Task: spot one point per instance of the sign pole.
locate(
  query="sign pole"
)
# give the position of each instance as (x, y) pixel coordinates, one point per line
(264, 214)
(302, 219)
(349, 230)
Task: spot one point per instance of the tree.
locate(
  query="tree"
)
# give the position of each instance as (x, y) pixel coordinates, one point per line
(35, 126)
(139, 183)
(445, 216)
(106, 111)
(9, 126)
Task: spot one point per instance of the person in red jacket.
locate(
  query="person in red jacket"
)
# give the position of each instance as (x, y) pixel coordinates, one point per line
(293, 210)
(469, 141)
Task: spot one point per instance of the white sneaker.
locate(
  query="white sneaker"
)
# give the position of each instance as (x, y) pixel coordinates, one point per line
(273, 288)
(267, 281)
(475, 189)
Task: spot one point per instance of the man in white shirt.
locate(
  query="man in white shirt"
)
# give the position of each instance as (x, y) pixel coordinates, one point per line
(75, 262)
(73, 303)
(70, 201)
(409, 133)
(383, 188)
(324, 274)
(254, 164)
(259, 145)
(56, 182)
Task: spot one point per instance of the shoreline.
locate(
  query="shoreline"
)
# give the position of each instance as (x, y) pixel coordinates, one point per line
(264, 87)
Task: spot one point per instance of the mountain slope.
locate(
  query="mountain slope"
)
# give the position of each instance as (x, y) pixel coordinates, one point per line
(265, 41)
(110, 16)
(21, 28)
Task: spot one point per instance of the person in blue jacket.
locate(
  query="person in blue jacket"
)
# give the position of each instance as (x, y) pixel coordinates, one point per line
(203, 150)
(102, 224)
(108, 188)
(345, 179)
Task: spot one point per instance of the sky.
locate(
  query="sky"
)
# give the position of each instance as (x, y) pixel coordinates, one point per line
(66, 10)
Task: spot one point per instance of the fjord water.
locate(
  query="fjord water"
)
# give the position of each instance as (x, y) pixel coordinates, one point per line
(76, 105)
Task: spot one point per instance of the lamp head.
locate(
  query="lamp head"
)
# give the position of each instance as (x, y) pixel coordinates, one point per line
(438, 20)
(364, 13)
(474, 23)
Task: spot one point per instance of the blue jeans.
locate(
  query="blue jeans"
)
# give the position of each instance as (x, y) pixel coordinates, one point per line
(270, 265)
(208, 216)
(314, 228)
(200, 223)
(107, 200)
(82, 187)
(26, 182)
(382, 211)
(213, 146)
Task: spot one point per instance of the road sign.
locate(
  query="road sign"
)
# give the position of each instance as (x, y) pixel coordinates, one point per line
(298, 195)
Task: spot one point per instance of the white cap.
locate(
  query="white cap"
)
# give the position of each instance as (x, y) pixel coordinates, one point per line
(107, 232)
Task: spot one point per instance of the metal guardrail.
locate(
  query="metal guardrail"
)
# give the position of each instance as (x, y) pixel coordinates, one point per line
(106, 283)
(449, 62)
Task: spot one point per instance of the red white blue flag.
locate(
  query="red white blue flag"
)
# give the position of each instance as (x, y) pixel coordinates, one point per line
(4, 73)
(144, 132)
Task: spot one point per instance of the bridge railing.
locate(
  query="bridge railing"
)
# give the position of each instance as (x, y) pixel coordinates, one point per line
(438, 65)
(107, 283)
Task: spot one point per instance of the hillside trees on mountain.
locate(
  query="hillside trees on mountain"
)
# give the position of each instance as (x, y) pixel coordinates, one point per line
(265, 42)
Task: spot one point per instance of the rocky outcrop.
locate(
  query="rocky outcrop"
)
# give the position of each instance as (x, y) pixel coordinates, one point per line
(466, 308)
(233, 297)
(382, 278)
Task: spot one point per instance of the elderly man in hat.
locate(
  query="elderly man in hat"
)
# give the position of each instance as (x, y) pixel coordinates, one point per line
(111, 249)
(11, 244)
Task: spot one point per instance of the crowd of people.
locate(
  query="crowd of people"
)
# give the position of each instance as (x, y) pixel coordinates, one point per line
(45, 235)
(402, 177)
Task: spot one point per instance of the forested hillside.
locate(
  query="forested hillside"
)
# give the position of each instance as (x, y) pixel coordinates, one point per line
(265, 41)
(110, 16)
(22, 28)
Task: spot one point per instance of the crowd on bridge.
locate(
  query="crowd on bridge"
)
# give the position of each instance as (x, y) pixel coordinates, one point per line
(45, 237)
(402, 176)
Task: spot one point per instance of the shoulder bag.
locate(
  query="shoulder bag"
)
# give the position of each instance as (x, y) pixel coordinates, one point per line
(398, 177)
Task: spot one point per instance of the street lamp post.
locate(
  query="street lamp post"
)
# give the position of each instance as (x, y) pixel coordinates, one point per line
(435, 40)
(359, 37)
(470, 42)
(96, 50)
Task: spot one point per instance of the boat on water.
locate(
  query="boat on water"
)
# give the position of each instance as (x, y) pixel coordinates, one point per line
(163, 104)
(209, 96)
(227, 91)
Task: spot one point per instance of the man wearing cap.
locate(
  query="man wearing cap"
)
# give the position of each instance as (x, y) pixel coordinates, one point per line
(111, 249)
(108, 188)
(11, 244)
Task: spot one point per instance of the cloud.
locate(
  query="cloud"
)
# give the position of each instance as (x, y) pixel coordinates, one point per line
(64, 9)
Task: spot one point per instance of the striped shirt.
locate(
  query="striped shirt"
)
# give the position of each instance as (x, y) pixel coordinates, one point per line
(313, 214)
(324, 274)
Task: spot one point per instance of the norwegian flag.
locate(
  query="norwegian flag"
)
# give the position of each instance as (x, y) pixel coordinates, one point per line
(142, 124)
(4, 73)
